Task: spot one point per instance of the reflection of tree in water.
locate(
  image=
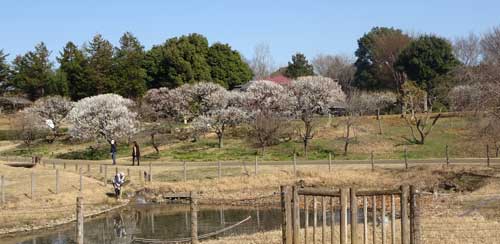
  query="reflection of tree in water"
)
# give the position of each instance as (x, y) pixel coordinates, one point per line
(167, 222)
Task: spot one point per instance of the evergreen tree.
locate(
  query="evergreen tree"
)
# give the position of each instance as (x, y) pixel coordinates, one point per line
(179, 61)
(74, 68)
(32, 72)
(426, 59)
(57, 84)
(100, 59)
(227, 67)
(376, 54)
(299, 67)
(4, 72)
(130, 71)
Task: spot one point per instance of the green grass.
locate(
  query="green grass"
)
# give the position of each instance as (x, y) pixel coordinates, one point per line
(452, 131)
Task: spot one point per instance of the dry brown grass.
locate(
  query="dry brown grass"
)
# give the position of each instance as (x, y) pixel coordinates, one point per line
(22, 212)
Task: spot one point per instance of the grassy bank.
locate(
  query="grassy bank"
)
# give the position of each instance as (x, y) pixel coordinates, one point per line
(329, 138)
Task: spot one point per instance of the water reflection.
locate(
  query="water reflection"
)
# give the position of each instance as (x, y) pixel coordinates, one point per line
(165, 222)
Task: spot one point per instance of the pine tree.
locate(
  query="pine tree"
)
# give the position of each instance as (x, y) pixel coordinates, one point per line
(74, 68)
(100, 58)
(299, 67)
(33, 71)
(130, 71)
(4, 72)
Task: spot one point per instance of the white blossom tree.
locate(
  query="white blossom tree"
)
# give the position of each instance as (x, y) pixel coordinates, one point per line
(224, 112)
(268, 108)
(106, 116)
(29, 126)
(312, 96)
(52, 111)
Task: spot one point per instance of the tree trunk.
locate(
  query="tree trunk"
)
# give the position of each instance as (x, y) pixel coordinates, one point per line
(221, 139)
(153, 142)
(306, 141)
(348, 129)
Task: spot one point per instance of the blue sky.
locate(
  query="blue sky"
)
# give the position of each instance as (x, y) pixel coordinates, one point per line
(310, 27)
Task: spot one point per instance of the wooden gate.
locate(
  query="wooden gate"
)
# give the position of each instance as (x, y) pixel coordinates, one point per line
(339, 213)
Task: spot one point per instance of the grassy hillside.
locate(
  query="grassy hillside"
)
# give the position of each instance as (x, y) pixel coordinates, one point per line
(329, 138)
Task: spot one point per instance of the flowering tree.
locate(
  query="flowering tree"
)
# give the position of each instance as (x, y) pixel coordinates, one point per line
(104, 116)
(313, 95)
(51, 111)
(224, 113)
(267, 105)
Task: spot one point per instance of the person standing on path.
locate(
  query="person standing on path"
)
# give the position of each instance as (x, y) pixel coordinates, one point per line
(113, 151)
(136, 154)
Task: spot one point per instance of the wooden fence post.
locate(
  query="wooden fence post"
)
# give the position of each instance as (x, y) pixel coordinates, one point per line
(488, 155)
(383, 220)
(354, 217)
(64, 166)
(329, 162)
(116, 170)
(294, 164)
(414, 216)
(53, 165)
(185, 171)
(32, 185)
(372, 161)
(57, 181)
(76, 167)
(365, 220)
(88, 168)
(128, 173)
(2, 189)
(79, 220)
(150, 172)
(343, 215)
(447, 156)
(406, 158)
(81, 180)
(194, 218)
(286, 211)
(296, 214)
(256, 166)
(404, 214)
(219, 172)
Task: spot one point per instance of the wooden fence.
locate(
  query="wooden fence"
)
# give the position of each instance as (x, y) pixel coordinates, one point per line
(296, 203)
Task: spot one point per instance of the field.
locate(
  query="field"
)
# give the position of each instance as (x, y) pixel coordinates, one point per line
(468, 204)
(329, 139)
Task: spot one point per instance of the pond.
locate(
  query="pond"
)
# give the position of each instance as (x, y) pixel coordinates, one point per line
(154, 221)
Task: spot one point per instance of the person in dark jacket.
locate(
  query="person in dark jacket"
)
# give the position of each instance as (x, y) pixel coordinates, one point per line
(136, 154)
(113, 151)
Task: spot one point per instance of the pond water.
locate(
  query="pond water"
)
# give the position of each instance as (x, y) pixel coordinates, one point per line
(153, 221)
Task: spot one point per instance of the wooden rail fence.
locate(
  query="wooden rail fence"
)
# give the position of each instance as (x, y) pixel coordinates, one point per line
(339, 211)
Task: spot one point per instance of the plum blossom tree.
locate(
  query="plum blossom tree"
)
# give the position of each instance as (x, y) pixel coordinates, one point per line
(29, 126)
(105, 116)
(267, 105)
(314, 95)
(51, 111)
(224, 112)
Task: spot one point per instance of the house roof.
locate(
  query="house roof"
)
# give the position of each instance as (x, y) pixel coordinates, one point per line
(279, 79)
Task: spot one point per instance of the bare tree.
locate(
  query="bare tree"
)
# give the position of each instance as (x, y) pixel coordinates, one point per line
(468, 49)
(29, 127)
(52, 111)
(262, 62)
(337, 67)
(422, 120)
(490, 45)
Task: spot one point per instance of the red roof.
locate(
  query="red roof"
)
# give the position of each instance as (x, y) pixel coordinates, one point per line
(279, 79)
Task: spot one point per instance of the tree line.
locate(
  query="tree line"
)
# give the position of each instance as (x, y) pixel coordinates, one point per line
(96, 67)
